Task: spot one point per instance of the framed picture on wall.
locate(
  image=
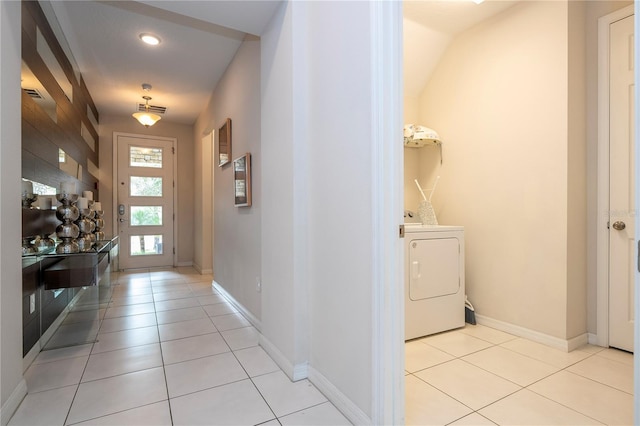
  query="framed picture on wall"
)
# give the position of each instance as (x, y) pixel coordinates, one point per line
(242, 180)
(224, 143)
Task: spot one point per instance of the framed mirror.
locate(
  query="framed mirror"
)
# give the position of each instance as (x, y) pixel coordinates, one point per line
(224, 143)
(242, 180)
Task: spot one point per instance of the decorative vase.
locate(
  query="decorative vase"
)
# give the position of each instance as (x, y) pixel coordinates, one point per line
(426, 213)
(99, 222)
(28, 247)
(28, 199)
(44, 243)
(68, 231)
(85, 227)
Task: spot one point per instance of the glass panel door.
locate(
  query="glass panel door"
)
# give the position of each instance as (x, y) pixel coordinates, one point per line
(145, 201)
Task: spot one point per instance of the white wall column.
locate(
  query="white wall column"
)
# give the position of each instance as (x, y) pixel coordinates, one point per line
(12, 385)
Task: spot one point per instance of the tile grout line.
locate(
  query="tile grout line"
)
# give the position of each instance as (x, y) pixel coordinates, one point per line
(87, 363)
(247, 373)
(565, 368)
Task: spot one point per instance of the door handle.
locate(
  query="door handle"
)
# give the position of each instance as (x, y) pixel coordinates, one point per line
(415, 270)
(619, 225)
(122, 220)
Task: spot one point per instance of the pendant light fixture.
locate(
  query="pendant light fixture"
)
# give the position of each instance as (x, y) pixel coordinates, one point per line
(146, 117)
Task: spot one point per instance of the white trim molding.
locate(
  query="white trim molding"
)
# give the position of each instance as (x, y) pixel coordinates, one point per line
(13, 402)
(351, 411)
(198, 268)
(244, 311)
(566, 345)
(294, 372)
(387, 203)
(636, 301)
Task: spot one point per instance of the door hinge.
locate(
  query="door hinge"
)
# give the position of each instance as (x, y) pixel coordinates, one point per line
(174, 183)
(173, 150)
(174, 217)
(608, 225)
(174, 250)
(401, 231)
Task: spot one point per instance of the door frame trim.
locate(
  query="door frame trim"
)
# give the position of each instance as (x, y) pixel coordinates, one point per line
(114, 183)
(602, 213)
(388, 386)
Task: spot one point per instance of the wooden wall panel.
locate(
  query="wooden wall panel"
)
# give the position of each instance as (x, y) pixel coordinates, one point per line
(41, 135)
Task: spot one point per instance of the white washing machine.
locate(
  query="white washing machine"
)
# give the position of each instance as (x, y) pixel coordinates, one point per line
(434, 279)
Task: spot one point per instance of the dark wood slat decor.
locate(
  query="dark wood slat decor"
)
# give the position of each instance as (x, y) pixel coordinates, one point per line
(42, 136)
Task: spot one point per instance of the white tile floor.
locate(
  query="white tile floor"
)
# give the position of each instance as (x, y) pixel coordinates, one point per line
(480, 376)
(169, 350)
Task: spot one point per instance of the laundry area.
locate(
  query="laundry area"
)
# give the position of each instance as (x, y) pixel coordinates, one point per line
(500, 169)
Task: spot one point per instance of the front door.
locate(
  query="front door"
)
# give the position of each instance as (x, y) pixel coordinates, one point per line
(622, 189)
(145, 185)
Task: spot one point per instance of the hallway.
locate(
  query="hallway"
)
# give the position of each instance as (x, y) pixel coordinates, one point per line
(170, 350)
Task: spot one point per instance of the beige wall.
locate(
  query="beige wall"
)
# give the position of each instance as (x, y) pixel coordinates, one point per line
(203, 209)
(576, 316)
(502, 111)
(582, 165)
(236, 230)
(412, 165)
(184, 175)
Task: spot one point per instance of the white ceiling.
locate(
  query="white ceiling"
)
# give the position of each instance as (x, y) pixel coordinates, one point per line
(200, 38)
(429, 28)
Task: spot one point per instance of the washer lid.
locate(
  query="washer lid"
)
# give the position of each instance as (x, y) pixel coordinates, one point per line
(419, 227)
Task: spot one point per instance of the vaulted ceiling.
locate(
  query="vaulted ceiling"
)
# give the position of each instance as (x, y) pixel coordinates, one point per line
(200, 38)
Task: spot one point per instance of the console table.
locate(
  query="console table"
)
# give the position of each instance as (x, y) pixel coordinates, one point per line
(65, 295)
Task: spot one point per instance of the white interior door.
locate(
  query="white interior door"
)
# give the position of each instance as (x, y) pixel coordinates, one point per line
(622, 189)
(145, 211)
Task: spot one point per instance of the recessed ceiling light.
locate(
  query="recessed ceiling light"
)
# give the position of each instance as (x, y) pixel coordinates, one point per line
(150, 39)
(478, 1)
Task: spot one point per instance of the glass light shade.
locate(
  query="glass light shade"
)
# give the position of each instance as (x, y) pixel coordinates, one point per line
(150, 39)
(146, 118)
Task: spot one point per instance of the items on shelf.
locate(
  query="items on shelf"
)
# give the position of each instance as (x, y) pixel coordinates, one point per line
(68, 231)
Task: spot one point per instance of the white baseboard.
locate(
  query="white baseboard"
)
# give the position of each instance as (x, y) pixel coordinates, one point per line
(593, 339)
(302, 370)
(28, 359)
(201, 270)
(351, 411)
(255, 321)
(188, 263)
(577, 342)
(13, 402)
(536, 336)
(294, 372)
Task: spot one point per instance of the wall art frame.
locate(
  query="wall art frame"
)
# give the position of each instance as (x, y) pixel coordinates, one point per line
(224, 143)
(242, 180)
